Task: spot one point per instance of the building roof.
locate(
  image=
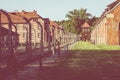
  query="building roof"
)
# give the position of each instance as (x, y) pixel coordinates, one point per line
(14, 18)
(18, 17)
(85, 25)
(52, 23)
(110, 6)
(108, 9)
(28, 15)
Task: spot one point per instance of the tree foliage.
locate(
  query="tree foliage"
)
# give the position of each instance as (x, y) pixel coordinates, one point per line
(75, 20)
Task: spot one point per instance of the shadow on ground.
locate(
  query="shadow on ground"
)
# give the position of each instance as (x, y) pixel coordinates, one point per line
(72, 65)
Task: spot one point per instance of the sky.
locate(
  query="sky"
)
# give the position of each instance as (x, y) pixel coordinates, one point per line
(55, 9)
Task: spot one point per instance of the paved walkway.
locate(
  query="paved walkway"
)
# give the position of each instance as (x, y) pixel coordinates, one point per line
(73, 65)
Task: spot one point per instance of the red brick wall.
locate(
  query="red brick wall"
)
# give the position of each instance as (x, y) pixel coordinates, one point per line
(107, 32)
(113, 27)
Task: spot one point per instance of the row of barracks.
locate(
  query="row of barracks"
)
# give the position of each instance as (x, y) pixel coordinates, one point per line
(29, 28)
(107, 28)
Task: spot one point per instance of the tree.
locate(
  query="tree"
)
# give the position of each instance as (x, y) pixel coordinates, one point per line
(76, 19)
(92, 21)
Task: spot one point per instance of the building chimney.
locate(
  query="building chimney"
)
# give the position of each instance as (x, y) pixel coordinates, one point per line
(23, 11)
(35, 11)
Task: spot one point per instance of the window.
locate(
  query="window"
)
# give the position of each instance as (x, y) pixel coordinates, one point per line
(24, 35)
(119, 26)
(35, 20)
(32, 35)
(119, 33)
(18, 27)
(39, 27)
(88, 30)
(83, 30)
(24, 26)
(39, 35)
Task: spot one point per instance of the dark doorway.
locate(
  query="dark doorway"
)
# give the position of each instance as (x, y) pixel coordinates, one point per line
(119, 33)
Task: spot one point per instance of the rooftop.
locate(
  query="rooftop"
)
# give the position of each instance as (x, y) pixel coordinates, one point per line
(14, 18)
(85, 25)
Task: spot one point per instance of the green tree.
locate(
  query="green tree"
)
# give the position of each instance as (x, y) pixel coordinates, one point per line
(76, 19)
(92, 21)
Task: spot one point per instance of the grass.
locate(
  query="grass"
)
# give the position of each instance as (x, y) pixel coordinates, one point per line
(88, 46)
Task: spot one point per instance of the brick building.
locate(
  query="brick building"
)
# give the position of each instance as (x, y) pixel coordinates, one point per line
(15, 21)
(32, 19)
(21, 24)
(107, 28)
(33, 32)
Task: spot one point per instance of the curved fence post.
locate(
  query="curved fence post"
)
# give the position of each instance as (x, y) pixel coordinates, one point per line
(12, 58)
(29, 38)
(41, 44)
(47, 29)
(15, 45)
(26, 43)
(41, 40)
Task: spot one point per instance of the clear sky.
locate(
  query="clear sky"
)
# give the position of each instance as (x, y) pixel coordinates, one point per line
(55, 9)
